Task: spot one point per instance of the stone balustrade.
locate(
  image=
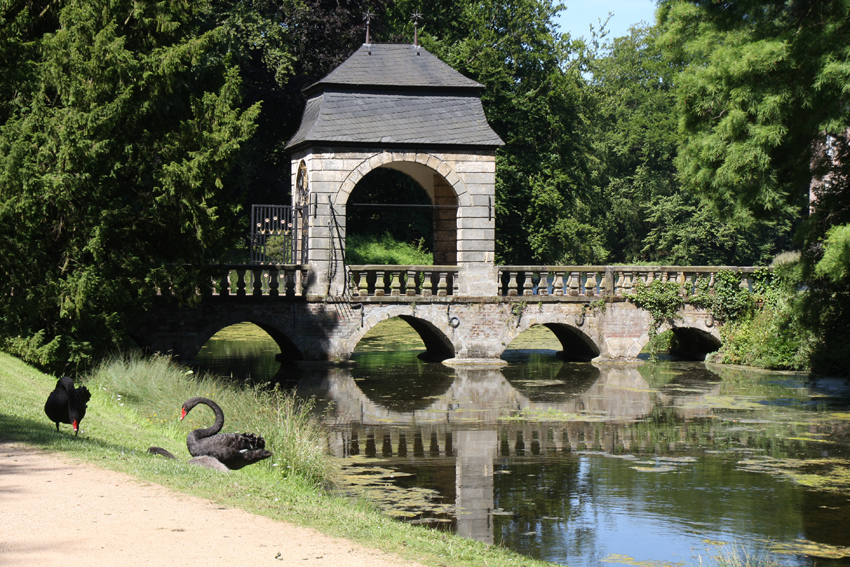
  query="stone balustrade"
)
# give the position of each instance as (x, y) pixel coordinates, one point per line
(584, 282)
(604, 281)
(408, 281)
(258, 280)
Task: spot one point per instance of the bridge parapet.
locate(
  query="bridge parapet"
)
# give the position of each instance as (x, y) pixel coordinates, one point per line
(604, 281)
(414, 281)
(258, 280)
(410, 281)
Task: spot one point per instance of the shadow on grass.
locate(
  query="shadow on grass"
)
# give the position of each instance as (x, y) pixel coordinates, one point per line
(42, 434)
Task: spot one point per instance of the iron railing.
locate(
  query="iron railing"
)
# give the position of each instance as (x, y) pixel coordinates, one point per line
(277, 234)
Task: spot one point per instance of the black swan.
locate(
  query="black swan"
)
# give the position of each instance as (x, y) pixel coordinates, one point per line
(233, 450)
(67, 404)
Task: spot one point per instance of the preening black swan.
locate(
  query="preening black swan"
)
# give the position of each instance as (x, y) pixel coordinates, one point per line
(67, 404)
(234, 450)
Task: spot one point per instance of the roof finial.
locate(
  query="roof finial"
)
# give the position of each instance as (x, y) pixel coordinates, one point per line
(367, 17)
(416, 17)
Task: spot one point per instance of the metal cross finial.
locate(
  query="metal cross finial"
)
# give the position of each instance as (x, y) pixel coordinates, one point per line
(367, 17)
(416, 17)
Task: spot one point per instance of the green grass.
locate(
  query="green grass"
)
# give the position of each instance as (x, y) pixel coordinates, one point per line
(135, 404)
(365, 249)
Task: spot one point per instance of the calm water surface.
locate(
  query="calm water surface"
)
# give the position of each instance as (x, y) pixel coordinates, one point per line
(583, 464)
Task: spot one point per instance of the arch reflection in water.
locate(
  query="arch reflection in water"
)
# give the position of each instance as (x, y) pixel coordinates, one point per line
(470, 416)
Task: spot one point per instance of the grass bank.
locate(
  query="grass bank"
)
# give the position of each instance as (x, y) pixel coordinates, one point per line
(135, 406)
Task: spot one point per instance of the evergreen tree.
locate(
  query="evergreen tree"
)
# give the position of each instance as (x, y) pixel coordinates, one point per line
(119, 127)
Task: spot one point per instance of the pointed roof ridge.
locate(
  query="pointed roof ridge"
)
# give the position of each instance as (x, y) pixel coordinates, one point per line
(393, 65)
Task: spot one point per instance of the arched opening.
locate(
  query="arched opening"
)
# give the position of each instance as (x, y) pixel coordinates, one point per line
(402, 213)
(576, 346)
(693, 344)
(551, 340)
(391, 371)
(406, 336)
(247, 351)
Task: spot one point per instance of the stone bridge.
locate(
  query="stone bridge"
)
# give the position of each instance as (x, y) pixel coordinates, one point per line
(586, 307)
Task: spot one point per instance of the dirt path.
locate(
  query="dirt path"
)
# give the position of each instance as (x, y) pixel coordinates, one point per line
(54, 512)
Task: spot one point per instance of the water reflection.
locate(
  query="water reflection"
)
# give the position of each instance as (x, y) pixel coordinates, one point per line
(584, 464)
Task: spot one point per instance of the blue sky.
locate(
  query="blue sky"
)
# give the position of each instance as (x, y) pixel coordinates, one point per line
(579, 14)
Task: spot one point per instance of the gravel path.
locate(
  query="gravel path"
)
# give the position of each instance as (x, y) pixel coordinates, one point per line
(55, 512)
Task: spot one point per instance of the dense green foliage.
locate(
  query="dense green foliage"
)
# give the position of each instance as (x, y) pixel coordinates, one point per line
(120, 126)
(764, 108)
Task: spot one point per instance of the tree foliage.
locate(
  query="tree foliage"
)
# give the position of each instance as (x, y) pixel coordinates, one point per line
(764, 81)
(119, 128)
(534, 99)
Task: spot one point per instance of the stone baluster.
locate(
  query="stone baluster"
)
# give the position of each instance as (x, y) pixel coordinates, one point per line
(512, 284)
(618, 285)
(240, 282)
(680, 279)
(427, 283)
(410, 285)
(354, 283)
(689, 284)
(590, 284)
(543, 284)
(574, 283)
(441, 285)
(558, 283)
(289, 282)
(745, 282)
(455, 283)
(303, 280)
(605, 284)
(528, 284)
(257, 281)
(395, 282)
(627, 283)
(379, 283)
(711, 282)
(274, 274)
(665, 276)
(224, 284)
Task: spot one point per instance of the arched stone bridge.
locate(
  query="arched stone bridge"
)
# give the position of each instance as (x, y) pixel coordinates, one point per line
(586, 307)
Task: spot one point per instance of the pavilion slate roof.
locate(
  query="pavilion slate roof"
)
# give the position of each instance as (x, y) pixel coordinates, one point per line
(394, 94)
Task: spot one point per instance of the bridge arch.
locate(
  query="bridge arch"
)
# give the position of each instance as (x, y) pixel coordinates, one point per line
(694, 343)
(576, 345)
(438, 346)
(289, 351)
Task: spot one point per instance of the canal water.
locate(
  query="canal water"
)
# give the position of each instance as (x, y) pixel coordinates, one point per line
(665, 463)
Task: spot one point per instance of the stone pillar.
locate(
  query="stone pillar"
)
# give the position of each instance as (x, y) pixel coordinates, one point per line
(445, 223)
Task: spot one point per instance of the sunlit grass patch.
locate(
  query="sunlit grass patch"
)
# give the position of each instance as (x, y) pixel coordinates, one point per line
(155, 389)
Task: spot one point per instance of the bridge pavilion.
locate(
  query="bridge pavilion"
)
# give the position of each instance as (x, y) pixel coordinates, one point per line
(399, 107)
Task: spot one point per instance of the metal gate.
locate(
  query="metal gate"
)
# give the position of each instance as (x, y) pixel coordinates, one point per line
(276, 234)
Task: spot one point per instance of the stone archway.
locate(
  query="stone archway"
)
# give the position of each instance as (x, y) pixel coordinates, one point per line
(443, 185)
(467, 179)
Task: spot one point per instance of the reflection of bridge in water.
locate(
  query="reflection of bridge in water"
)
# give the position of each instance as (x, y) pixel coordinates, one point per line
(470, 415)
